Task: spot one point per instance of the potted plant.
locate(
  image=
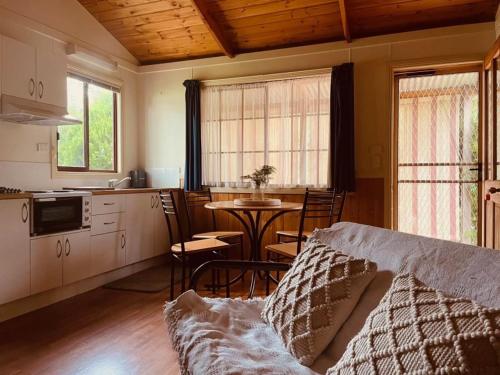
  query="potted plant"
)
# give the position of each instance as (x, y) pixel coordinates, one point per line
(260, 179)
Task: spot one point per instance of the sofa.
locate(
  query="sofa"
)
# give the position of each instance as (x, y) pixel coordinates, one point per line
(228, 336)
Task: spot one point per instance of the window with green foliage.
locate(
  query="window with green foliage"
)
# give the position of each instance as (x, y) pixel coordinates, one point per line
(90, 146)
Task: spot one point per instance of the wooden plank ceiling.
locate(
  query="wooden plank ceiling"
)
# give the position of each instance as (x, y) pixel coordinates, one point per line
(169, 30)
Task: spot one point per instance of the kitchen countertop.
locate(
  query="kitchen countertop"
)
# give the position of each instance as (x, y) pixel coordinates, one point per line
(94, 192)
(16, 196)
(124, 191)
(128, 191)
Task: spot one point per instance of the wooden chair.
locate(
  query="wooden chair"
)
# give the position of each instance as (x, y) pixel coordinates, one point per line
(196, 199)
(318, 204)
(334, 217)
(183, 250)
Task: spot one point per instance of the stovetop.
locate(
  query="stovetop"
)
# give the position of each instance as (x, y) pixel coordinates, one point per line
(46, 193)
(8, 190)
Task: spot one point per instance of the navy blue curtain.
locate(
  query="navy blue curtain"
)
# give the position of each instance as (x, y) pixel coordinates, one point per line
(192, 170)
(342, 128)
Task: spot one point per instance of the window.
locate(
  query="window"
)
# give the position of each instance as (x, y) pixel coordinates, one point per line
(283, 123)
(91, 146)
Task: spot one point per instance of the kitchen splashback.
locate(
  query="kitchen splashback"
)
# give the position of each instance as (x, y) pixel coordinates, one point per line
(30, 176)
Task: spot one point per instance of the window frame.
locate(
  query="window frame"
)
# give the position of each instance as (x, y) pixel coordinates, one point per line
(86, 169)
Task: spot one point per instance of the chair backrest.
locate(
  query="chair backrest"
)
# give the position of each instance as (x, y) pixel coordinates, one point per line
(321, 204)
(338, 207)
(172, 217)
(194, 200)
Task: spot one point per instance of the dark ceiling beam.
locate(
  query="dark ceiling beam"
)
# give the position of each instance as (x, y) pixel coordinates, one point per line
(213, 27)
(345, 22)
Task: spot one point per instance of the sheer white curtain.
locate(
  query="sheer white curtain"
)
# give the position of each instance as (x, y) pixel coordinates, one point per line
(282, 123)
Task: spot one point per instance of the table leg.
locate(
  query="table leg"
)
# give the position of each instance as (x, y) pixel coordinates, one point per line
(255, 235)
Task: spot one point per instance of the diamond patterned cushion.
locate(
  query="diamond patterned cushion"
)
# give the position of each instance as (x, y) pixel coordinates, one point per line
(418, 330)
(315, 297)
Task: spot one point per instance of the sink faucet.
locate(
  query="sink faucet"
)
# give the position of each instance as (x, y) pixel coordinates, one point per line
(114, 182)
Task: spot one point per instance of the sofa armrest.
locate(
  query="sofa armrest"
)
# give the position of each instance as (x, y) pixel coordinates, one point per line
(242, 265)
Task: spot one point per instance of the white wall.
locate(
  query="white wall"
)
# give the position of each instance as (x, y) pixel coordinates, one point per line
(162, 144)
(51, 24)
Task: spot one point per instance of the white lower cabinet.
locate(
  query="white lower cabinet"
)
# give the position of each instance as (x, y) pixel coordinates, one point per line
(125, 229)
(108, 252)
(14, 249)
(59, 260)
(46, 263)
(140, 226)
(76, 261)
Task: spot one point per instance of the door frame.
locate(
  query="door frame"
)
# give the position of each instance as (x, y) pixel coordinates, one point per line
(490, 62)
(438, 69)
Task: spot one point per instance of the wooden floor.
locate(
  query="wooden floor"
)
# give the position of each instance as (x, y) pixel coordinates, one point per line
(100, 332)
(105, 332)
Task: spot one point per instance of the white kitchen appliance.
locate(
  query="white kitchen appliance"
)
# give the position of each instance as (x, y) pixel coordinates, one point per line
(31, 112)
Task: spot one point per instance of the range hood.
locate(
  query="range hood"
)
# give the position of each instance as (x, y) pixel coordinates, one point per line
(31, 112)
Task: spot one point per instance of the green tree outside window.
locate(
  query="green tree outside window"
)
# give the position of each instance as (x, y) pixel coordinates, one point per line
(97, 128)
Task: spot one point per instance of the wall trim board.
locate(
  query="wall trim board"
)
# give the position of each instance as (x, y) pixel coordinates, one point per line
(19, 307)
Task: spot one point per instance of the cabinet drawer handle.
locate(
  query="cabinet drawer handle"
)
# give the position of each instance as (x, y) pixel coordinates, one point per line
(67, 247)
(24, 212)
(493, 190)
(124, 241)
(152, 201)
(59, 248)
(157, 201)
(40, 89)
(109, 203)
(31, 88)
(109, 223)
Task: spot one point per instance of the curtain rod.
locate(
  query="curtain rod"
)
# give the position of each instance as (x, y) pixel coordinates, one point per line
(266, 77)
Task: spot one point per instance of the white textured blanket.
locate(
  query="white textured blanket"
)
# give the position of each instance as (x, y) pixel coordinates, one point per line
(216, 336)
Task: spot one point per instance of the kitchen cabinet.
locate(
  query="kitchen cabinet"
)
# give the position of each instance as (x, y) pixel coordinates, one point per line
(140, 220)
(14, 250)
(77, 257)
(46, 263)
(18, 69)
(108, 223)
(108, 252)
(32, 73)
(51, 78)
(108, 204)
(59, 260)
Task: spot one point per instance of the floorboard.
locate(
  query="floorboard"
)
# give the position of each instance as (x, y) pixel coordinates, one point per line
(104, 331)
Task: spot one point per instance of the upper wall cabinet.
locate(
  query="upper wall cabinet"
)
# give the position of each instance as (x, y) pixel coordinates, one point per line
(51, 78)
(32, 73)
(18, 69)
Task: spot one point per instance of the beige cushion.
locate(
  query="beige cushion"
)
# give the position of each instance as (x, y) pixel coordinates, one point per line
(293, 233)
(315, 297)
(200, 246)
(287, 249)
(217, 234)
(418, 330)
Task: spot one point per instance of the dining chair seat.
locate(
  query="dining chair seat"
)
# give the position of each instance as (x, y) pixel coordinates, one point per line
(287, 249)
(218, 234)
(294, 234)
(200, 246)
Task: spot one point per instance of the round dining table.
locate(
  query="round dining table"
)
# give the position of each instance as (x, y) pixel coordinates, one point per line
(256, 225)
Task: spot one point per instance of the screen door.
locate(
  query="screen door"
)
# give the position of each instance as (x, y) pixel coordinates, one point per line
(437, 173)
